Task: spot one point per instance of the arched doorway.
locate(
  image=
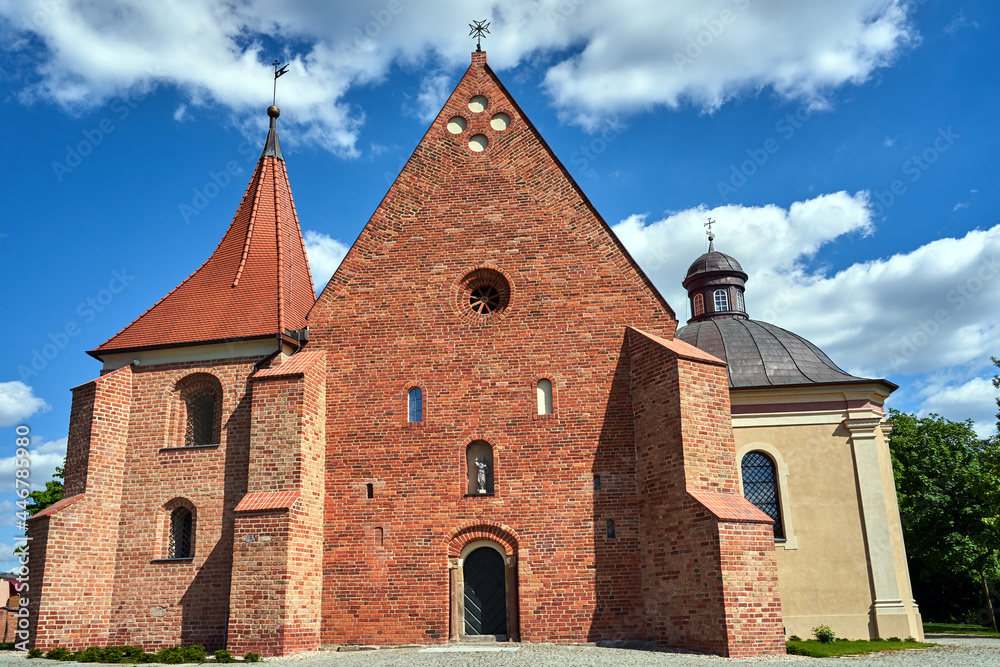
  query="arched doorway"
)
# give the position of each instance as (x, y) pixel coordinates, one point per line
(485, 593)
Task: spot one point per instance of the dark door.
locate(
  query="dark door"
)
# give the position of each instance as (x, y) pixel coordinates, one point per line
(485, 593)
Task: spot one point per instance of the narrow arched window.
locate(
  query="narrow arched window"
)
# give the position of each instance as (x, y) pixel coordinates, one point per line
(740, 306)
(699, 305)
(415, 405)
(543, 391)
(721, 301)
(760, 486)
(479, 464)
(199, 427)
(180, 533)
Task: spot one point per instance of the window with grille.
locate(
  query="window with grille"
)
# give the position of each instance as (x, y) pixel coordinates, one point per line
(699, 305)
(760, 486)
(199, 428)
(180, 533)
(415, 402)
(721, 301)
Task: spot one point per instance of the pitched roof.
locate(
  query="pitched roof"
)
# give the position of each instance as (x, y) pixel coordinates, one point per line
(257, 282)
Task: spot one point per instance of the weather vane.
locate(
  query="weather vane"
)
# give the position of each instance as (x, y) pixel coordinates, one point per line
(479, 30)
(277, 73)
(711, 236)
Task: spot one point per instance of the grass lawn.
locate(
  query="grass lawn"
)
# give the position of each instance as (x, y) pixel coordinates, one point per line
(813, 648)
(959, 629)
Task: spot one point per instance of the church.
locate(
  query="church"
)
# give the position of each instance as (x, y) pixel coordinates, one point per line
(487, 425)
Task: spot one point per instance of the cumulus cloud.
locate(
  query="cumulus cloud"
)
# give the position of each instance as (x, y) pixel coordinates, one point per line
(926, 317)
(325, 254)
(18, 402)
(44, 457)
(603, 59)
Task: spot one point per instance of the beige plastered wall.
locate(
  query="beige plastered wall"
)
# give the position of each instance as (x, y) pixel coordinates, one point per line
(843, 561)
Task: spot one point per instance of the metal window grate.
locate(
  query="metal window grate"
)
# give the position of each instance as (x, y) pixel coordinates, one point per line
(200, 426)
(180, 533)
(760, 486)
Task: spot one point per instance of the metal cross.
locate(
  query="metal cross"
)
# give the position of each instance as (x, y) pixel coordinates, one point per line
(711, 236)
(277, 73)
(479, 30)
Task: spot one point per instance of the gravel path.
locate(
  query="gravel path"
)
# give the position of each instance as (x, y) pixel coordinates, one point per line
(955, 651)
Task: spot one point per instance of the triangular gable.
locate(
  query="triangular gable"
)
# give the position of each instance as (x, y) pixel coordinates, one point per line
(517, 171)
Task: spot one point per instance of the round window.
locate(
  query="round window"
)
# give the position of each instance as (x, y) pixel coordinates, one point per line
(483, 294)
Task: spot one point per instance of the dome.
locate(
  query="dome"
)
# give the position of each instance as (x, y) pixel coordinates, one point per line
(760, 354)
(713, 261)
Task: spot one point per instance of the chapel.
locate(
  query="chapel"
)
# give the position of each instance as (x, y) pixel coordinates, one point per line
(488, 424)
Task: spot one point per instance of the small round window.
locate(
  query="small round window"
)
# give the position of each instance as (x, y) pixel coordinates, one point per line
(483, 294)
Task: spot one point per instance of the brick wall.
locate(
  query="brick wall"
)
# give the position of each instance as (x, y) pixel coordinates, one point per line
(72, 568)
(275, 601)
(708, 568)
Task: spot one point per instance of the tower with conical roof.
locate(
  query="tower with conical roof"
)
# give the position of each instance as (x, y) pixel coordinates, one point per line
(189, 419)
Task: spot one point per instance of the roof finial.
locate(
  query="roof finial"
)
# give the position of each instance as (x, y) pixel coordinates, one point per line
(711, 236)
(479, 30)
(277, 74)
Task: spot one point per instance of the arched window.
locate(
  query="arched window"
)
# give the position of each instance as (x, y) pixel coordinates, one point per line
(415, 405)
(760, 486)
(199, 427)
(721, 301)
(180, 533)
(699, 305)
(543, 391)
(479, 463)
(197, 411)
(740, 306)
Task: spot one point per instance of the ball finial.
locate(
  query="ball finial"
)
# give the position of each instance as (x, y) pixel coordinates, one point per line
(273, 111)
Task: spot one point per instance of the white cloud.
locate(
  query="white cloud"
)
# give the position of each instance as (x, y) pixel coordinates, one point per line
(622, 59)
(45, 457)
(18, 402)
(325, 254)
(929, 310)
(960, 205)
(180, 114)
(975, 399)
(434, 90)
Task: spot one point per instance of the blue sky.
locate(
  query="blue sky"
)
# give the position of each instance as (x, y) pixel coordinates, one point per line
(847, 150)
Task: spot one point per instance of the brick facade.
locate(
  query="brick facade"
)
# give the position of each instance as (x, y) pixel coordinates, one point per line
(325, 516)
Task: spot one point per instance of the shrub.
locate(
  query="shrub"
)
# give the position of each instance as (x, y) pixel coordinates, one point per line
(89, 654)
(251, 657)
(894, 639)
(910, 640)
(795, 638)
(175, 655)
(59, 653)
(824, 634)
(796, 650)
(222, 655)
(35, 653)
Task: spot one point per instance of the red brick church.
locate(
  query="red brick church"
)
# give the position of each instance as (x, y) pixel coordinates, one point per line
(484, 425)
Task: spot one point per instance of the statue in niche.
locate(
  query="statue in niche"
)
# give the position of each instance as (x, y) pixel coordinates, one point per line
(484, 469)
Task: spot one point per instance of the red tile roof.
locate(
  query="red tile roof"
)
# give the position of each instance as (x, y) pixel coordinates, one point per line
(682, 349)
(256, 283)
(55, 507)
(264, 501)
(730, 507)
(297, 364)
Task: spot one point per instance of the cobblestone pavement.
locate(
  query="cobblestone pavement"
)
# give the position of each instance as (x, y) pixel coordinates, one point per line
(954, 652)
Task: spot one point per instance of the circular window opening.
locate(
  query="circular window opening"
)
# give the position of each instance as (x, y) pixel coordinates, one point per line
(500, 122)
(484, 293)
(477, 104)
(457, 125)
(478, 143)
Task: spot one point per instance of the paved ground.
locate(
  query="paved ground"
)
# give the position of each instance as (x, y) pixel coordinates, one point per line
(954, 651)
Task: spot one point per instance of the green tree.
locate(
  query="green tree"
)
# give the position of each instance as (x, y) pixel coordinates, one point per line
(53, 493)
(951, 520)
